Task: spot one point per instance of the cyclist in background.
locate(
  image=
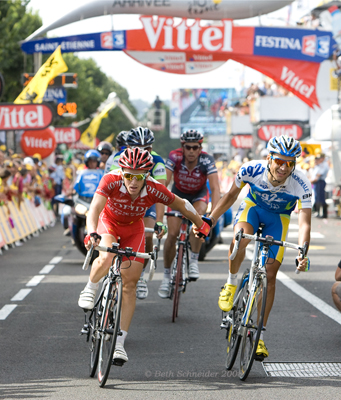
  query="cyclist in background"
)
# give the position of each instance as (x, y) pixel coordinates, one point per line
(191, 167)
(143, 138)
(120, 145)
(88, 179)
(117, 210)
(105, 149)
(275, 188)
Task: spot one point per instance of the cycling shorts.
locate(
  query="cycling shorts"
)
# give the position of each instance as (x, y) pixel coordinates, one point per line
(131, 235)
(276, 225)
(151, 212)
(202, 195)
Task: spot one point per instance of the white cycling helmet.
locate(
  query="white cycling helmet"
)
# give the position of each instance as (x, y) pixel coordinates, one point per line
(285, 146)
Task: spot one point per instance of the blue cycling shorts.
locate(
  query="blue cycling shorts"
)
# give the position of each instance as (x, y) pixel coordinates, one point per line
(151, 212)
(276, 225)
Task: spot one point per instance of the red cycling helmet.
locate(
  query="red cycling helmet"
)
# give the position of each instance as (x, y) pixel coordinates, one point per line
(136, 159)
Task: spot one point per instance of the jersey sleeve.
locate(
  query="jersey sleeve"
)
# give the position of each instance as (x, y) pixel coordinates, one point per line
(305, 191)
(107, 185)
(159, 193)
(210, 165)
(171, 161)
(114, 164)
(239, 181)
(159, 171)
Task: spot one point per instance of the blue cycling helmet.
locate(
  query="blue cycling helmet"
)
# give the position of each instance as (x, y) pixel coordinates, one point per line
(92, 155)
(284, 145)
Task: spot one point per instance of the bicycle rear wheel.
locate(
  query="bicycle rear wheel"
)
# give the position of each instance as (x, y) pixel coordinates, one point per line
(235, 315)
(178, 279)
(110, 325)
(94, 322)
(253, 327)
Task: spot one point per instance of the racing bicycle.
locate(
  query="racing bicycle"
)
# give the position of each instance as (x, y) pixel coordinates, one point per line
(244, 322)
(103, 324)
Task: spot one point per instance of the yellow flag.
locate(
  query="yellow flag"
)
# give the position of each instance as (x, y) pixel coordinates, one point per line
(110, 138)
(35, 90)
(89, 135)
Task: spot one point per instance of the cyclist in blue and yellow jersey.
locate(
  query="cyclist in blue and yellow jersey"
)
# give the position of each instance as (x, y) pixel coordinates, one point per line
(275, 189)
(115, 155)
(143, 138)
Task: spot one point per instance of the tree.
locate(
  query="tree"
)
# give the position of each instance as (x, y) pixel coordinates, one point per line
(15, 25)
(94, 87)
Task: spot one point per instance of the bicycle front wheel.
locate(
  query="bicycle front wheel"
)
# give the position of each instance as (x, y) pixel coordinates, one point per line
(178, 279)
(255, 309)
(234, 319)
(110, 325)
(94, 341)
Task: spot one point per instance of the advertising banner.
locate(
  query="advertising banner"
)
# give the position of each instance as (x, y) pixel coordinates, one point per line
(291, 57)
(57, 95)
(266, 132)
(25, 116)
(41, 142)
(66, 134)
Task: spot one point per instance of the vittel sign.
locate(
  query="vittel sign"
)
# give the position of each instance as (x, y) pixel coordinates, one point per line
(25, 116)
(266, 132)
(164, 35)
(66, 134)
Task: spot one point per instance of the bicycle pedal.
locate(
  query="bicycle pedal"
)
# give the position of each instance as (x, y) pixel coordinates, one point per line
(118, 362)
(192, 279)
(259, 357)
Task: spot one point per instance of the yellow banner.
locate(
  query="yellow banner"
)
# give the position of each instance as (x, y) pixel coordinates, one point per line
(89, 135)
(110, 138)
(35, 90)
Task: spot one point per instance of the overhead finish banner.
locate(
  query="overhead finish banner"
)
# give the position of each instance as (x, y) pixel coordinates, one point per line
(291, 57)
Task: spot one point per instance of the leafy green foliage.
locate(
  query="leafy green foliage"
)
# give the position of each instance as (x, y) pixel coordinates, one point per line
(15, 25)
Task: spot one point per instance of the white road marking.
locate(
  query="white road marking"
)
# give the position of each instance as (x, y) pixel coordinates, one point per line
(313, 235)
(47, 269)
(56, 260)
(21, 295)
(6, 310)
(309, 297)
(35, 280)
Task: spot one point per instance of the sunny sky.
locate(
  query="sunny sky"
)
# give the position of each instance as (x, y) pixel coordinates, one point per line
(140, 81)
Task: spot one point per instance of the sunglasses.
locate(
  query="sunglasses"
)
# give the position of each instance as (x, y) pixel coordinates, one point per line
(194, 148)
(104, 153)
(138, 177)
(281, 162)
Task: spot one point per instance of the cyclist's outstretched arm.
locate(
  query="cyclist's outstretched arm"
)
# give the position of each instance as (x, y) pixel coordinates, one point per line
(225, 202)
(186, 209)
(215, 188)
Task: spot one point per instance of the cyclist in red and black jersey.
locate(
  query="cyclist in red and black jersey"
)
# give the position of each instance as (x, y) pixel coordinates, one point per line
(117, 210)
(190, 167)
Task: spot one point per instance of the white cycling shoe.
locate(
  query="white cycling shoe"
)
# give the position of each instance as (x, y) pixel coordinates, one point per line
(141, 289)
(87, 298)
(193, 272)
(120, 355)
(164, 289)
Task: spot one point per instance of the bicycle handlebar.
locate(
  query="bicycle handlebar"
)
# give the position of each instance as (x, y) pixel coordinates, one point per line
(268, 240)
(174, 214)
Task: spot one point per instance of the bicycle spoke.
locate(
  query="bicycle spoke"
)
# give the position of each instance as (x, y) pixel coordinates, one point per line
(94, 341)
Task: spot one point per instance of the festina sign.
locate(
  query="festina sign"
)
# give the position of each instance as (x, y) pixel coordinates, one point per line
(242, 141)
(66, 134)
(25, 116)
(266, 132)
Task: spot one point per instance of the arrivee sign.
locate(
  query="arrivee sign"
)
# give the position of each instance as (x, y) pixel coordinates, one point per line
(24, 116)
(266, 132)
(42, 142)
(66, 134)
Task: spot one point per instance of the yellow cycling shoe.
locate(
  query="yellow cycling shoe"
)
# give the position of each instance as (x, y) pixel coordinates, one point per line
(226, 296)
(262, 351)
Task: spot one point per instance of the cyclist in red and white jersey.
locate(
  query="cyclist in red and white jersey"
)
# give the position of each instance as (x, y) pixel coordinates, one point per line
(117, 211)
(190, 167)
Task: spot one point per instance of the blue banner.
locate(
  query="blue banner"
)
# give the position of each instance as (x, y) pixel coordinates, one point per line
(297, 44)
(57, 94)
(102, 41)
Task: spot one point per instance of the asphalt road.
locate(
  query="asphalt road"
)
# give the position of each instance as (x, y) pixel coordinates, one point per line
(43, 355)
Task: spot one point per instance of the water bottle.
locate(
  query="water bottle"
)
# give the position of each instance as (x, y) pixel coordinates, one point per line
(336, 24)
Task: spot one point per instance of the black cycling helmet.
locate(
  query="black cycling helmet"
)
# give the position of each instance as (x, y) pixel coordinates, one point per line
(140, 137)
(192, 135)
(105, 146)
(121, 139)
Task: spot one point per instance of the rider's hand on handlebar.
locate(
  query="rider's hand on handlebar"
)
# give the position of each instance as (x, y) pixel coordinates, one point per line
(92, 239)
(160, 229)
(204, 230)
(302, 264)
